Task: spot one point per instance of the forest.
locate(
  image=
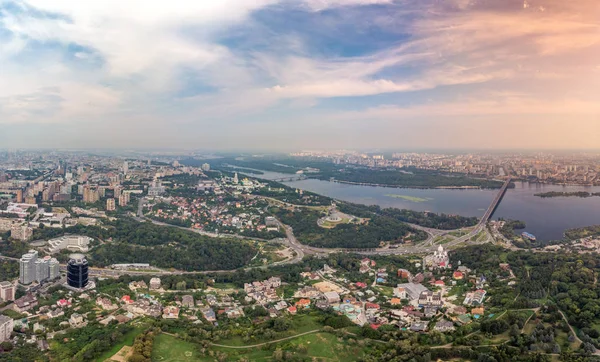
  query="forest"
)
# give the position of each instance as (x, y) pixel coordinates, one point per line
(566, 194)
(567, 281)
(87, 343)
(128, 241)
(367, 235)
(584, 232)
(406, 177)
(425, 219)
(166, 247)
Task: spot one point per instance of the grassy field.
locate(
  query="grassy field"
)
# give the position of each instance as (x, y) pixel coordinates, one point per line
(300, 324)
(170, 349)
(128, 341)
(459, 233)
(319, 345)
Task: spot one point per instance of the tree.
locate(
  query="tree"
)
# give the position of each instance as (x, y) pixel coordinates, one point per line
(6, 346)
(281, 324)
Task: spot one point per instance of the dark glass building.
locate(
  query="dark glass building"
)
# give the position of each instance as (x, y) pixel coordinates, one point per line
(77, 271)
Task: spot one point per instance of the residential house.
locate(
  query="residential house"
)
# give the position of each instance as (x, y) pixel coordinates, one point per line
(418, 327)
(105, 303)
(458, 275)
(187, 301)
(332, 297)
(54, 313)
(404, 274)
(477, 311)
(25, 303)
(303, 303)
(400, 292)
(135, 285)
(430, 299)
(233, 313)
(170, 312)
(444, 326)
(209, 314)
(475, 298)
(76, 320)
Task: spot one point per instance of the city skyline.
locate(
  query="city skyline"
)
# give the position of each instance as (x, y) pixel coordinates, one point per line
(283, 75)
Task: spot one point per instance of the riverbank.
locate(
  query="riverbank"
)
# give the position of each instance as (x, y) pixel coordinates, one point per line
(582, 194)
(411, 187)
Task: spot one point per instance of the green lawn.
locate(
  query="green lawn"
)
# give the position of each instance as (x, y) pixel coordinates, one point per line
(300, 324)
(320, 345)
(170, 349)
(225, 286)
(128, 341)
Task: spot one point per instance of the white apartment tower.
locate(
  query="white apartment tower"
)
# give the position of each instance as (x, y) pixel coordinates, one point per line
(27, 267)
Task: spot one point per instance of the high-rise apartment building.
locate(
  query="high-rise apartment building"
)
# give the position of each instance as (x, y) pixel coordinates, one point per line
(6, 328)
(125, 167)
(90, 195)
(54, 268)
(110, 205)
(27, 267)
(124, 199)
(19, 196)
(42, 269)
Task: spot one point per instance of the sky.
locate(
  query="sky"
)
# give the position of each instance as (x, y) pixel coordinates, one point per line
(300, 74)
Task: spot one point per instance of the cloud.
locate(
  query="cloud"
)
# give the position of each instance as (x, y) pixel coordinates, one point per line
(155, 64)
(318, 5)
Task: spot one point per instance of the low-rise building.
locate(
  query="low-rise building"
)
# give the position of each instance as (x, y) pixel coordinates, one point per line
(170, 312)
(155, 283)
(209, 314)
(135, 285)
(475, 298)
(444, 326)
(430, 299)
(187, 301)
(105, 303)
(76, 320)
(25, 303)
(332, 297)
(7, 291)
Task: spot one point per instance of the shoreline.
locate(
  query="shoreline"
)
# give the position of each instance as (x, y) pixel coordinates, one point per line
(413, 187)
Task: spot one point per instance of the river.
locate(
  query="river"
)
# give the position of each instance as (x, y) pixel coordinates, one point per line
(546, 218)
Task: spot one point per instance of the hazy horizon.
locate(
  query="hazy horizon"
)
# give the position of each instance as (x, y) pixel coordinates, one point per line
(282, 75)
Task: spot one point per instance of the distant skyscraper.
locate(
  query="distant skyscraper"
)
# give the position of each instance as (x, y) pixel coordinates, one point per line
(77, 271)
(125, 167)
(27, 269)
(235, 178)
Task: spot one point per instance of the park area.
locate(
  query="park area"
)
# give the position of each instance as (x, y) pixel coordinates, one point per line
(324, 346)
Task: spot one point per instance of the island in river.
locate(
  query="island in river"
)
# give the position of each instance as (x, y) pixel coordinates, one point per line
(567, 194)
